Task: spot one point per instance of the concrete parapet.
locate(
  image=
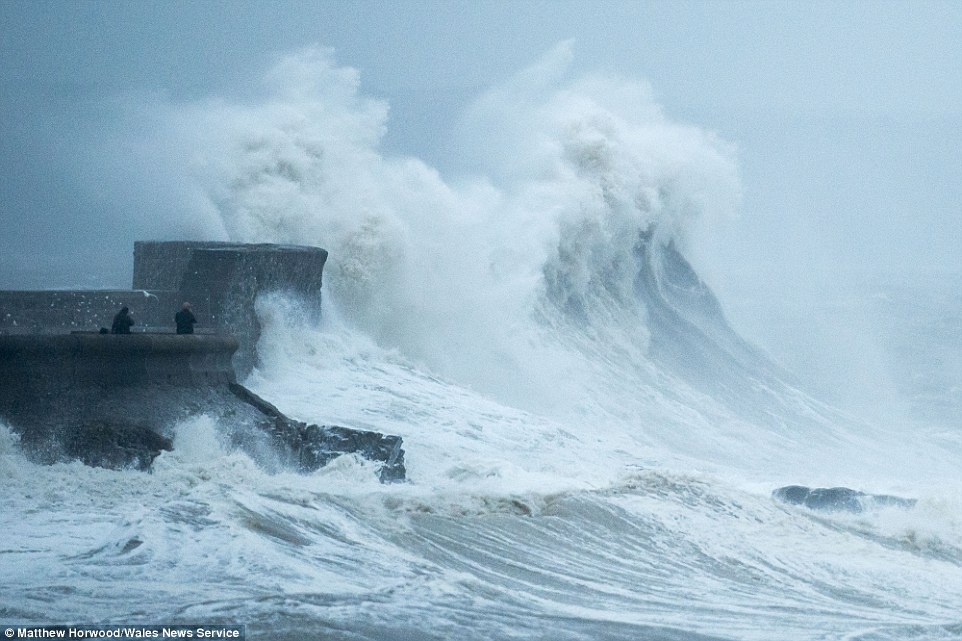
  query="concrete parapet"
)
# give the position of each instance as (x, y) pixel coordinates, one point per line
(168, 265)
(116, 360)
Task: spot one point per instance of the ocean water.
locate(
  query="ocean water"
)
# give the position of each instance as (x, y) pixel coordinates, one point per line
(591, 446)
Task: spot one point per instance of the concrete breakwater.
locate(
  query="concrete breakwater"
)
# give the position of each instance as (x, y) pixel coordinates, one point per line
(116, 400)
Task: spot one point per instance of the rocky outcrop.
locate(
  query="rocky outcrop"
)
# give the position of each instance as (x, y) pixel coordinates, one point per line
(115, 401)
(309, 447)
(836, 499)
(113, 444)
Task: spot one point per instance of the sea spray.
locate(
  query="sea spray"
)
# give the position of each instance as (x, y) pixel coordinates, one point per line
(452, 273)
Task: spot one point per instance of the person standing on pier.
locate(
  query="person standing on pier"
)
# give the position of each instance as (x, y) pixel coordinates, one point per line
(185, 320)
(122, 321)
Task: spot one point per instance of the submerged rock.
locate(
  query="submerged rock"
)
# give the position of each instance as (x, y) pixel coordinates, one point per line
(837, 499)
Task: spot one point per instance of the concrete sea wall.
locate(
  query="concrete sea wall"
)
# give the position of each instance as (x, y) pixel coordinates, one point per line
(71, 392)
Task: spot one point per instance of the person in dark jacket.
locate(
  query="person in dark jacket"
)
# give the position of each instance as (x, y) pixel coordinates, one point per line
(122, 321)
(185, 320)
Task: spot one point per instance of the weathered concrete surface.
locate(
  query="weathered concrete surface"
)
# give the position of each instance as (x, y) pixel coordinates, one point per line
(90, 359)
(115, 401)
(835, 499)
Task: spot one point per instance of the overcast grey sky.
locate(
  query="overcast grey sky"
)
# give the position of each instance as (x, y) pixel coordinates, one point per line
(847, 116)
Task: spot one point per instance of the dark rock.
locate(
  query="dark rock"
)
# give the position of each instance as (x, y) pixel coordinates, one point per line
(310, 447)
(115, 446)
(836, 499)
